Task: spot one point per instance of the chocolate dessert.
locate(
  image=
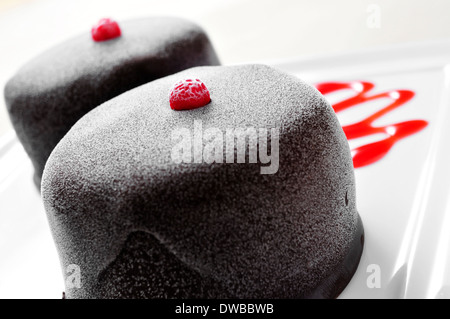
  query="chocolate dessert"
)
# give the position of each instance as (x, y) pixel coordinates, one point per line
(150, 201)
(54, 90)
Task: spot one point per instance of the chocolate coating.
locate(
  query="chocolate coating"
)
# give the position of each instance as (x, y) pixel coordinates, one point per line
(51, 92)
(140, 225)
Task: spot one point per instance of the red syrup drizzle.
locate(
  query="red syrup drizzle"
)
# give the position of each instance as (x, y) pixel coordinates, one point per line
(370, 153)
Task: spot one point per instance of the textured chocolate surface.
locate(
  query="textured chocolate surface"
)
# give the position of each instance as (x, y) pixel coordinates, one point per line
(51, 92)
(140, 225)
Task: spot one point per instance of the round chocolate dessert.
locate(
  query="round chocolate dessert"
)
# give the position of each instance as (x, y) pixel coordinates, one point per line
(247, 193)
(50, 93)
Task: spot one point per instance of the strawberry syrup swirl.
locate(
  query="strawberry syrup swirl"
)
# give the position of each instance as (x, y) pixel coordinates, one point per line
(370, 153)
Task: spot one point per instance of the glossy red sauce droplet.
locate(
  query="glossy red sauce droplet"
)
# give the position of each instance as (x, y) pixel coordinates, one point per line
(188, 94)
(105, 29)
(370, 153)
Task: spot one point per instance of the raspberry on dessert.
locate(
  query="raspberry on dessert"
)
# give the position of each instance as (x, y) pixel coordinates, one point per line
(188, 94)
(105, 29)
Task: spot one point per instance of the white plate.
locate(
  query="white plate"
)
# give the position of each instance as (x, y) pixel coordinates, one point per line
(29, 265)
(403, 198)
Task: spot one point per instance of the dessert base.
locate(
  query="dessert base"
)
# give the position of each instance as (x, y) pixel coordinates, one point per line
(331, 287)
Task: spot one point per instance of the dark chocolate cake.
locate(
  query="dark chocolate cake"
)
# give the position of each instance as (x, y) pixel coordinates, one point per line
(50, 93)
(140, 223)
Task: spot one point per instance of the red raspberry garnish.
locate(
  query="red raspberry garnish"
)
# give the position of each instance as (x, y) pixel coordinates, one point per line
(105, 29)
(189, 94)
